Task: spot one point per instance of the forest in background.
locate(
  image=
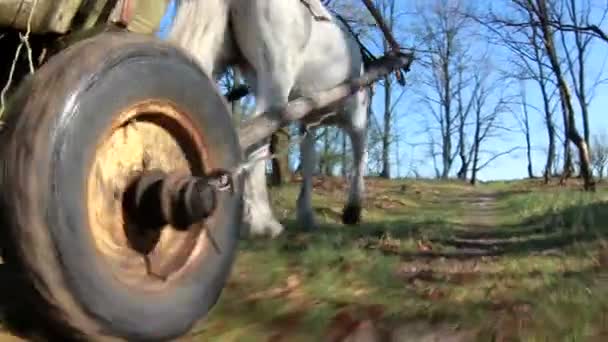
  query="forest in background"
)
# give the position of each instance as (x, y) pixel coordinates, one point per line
(492, 80)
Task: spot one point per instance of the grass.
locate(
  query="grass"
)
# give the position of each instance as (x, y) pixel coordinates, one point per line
(500, 262)
(513, 261)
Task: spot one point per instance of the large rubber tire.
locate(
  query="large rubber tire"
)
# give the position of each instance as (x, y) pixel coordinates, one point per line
(48, 144)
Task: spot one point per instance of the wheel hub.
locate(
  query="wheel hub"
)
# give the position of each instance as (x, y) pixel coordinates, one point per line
(145, 205)
(157, 199)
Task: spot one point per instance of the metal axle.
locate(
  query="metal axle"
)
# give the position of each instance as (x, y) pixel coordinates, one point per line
(157, 199)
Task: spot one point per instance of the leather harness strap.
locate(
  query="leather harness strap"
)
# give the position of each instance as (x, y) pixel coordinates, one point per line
(141, 16)
(144, 16)
(316, 9)
(126, 11)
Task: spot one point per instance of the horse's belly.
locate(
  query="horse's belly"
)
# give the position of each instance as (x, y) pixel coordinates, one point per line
(329, 60)
(321, 77)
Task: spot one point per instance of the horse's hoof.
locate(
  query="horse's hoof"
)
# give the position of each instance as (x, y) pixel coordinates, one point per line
(264, 229)
(351, 215)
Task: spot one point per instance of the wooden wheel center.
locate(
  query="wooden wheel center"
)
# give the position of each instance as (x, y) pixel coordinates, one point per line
(148, 136)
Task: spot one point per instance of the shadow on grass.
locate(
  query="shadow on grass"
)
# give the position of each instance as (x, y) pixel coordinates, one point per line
(538, 234)
(555, 231)
(424, 303)
(558, 230)
(544, 235)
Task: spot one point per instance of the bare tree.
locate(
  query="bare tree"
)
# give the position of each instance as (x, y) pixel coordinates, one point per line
(576, 63)
(358, 20)
(442, 33)
(599, 154)
(462, 116)
(464, 107)
(388, 10)
(535, 65)
(538, 17)
(343, 157)
(487, 115)
(540, 76)
(523, 119)
(579, 22)
(540, 10)
(585, 27)
(528, 62)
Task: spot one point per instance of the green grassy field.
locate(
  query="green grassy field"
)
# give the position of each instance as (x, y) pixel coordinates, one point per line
(442, 261)
(502, 261)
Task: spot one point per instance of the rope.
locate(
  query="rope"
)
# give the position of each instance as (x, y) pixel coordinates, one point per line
(24, 42)
(263, 154)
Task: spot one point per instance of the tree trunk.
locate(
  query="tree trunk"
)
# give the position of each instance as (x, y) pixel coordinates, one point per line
(567, 169)
(526, 124)
(572, 133)
(326, 167)
(528, 145)
(386, 134)
(476, 139)
(580, 91)
(474, 168)
(446, 134)
(585, 162)
(388, 12)
(464, 162)
(344, 160)
(529, 154)
(446, 156)
(538, 56)
(447, 111)
(279, 144)
(550, 149)
(582, 99)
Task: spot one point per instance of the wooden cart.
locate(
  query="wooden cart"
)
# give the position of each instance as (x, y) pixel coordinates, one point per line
(120, 207)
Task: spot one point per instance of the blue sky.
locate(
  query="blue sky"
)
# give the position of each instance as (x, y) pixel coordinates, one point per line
(410, 126)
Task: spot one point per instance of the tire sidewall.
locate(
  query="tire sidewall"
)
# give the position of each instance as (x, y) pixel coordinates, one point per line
(125, 77)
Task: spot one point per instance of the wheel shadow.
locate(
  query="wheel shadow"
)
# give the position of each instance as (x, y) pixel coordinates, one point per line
(14, 321)
(9, 305)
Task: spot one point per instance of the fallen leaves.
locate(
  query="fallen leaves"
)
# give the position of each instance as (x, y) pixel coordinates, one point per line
(285, 324)
(388, 202)
(292, 283)
(434, 293)
(424, 246)
(356, 323)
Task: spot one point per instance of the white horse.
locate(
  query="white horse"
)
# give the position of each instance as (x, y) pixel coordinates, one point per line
(285, 51)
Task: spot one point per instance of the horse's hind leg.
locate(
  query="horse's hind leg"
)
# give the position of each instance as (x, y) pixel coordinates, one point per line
(269, 36)
(356, 116)
(306, 218)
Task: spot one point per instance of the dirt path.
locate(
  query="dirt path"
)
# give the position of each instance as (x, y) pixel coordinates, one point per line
(483, 211)
(480, 216)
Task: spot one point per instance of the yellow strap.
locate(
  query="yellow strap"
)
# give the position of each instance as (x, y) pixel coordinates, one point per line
(146, 15)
